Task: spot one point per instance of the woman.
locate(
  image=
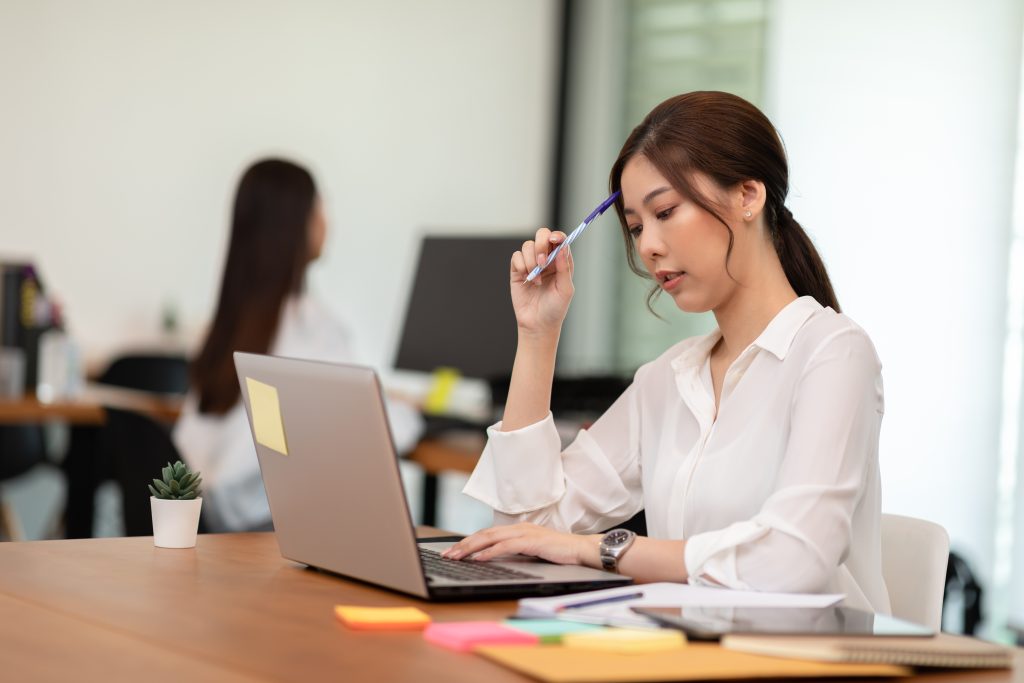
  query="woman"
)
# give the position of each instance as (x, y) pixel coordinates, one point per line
(277, 230)
(754, 449)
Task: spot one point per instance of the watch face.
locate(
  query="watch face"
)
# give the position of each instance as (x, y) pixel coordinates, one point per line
(615, 538)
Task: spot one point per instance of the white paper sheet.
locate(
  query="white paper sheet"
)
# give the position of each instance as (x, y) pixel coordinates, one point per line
(662, 595)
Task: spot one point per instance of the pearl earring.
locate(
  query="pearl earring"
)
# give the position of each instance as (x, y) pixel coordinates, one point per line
(747, 214)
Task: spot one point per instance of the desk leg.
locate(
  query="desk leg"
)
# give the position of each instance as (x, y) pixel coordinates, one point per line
(428, 516)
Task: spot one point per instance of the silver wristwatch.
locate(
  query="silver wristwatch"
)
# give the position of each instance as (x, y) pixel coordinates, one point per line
(613, 545)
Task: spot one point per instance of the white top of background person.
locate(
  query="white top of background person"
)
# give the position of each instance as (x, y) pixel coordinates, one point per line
(754, 449)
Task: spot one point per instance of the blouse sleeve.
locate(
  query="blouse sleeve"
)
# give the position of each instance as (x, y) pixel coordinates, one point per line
(803, 530)
(593, 484)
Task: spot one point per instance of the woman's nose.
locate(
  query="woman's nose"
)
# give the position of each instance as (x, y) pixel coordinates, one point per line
(650, 244)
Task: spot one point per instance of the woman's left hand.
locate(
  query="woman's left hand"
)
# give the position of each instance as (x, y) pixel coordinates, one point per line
(525, 539)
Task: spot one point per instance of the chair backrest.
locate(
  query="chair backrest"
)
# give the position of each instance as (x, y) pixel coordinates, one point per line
(149, 372)
(915, 554)
(137, 448)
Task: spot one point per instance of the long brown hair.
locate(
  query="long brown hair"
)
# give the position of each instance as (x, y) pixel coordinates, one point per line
(266, 263)
(730, 141)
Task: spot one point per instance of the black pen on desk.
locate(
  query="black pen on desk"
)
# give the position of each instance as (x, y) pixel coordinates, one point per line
(600, 601)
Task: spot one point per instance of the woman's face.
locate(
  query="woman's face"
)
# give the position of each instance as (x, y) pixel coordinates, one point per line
(683, 246)
(317, 230)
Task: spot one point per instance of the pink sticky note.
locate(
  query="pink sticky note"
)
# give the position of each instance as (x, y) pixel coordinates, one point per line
(463, 636)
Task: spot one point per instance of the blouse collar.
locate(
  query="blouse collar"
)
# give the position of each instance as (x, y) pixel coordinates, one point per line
(776, 338)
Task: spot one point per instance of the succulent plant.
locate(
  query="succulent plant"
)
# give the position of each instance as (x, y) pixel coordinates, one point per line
(179, 483)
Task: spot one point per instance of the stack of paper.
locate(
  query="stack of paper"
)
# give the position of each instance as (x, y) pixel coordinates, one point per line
(618, 613)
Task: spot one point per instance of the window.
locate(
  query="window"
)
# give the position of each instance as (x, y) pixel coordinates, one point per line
(676, 46)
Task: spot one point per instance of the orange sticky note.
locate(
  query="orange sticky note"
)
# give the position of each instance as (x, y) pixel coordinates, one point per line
(382, 618)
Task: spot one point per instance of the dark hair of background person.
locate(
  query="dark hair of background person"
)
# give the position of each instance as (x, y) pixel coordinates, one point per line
(729, 140)
(266, 262)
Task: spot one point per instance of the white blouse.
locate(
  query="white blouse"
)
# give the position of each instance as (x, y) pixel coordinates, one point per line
(221, 446)
(780, 493)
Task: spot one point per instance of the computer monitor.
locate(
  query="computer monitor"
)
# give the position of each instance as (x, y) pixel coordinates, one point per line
(459, 313)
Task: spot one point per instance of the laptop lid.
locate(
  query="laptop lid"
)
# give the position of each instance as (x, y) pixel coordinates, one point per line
(330, 470)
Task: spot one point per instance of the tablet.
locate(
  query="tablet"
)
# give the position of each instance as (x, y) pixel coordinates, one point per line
(710, 623)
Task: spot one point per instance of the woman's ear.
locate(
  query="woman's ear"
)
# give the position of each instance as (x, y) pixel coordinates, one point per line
(752, 197)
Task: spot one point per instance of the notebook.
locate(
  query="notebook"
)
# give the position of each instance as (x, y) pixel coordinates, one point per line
(943, 650)
(335, 492)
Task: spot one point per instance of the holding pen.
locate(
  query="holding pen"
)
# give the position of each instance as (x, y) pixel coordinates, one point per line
(574, 235)
(540, 310)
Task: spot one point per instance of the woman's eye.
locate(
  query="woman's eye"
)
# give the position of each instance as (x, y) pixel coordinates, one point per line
(662, 215)
(634, 232)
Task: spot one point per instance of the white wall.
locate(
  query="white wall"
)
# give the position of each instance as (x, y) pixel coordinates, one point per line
(125, 126)
(900, 121)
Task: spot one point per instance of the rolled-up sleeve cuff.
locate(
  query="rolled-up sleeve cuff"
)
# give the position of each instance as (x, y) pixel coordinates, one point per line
(710, 557)
(521, 470)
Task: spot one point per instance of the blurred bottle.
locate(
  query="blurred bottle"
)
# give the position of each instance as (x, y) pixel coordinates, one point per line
(60, 374)
(171, 338)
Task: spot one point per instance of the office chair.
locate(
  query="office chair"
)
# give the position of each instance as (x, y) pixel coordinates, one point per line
(963, 592)
(86, 466)
(915, 554)
(137, 447)
(165, 374)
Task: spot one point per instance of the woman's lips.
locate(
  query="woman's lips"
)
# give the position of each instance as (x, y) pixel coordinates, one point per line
(670, 280)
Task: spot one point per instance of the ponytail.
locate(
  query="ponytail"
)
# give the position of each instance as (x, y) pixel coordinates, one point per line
(800, 260)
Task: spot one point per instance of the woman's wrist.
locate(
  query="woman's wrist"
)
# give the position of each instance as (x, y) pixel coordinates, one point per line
(539, 339)
(588, 550)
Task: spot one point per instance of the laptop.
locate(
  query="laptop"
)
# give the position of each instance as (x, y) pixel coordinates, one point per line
(336, 498)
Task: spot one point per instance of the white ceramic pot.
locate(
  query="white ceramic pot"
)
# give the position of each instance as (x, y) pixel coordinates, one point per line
(175, 522)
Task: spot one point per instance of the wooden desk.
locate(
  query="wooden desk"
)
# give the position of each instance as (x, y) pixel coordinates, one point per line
(231, 609)
(87, 409)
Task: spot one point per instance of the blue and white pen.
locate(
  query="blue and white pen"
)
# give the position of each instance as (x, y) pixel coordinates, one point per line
(574, 235)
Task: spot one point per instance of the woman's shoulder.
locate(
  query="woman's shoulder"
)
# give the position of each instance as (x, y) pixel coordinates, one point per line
(828, 330)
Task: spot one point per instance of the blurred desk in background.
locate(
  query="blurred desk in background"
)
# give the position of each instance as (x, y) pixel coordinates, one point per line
(456, 451)
(85, 414)
(88, 408)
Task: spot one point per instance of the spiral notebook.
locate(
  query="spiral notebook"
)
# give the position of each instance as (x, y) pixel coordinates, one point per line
(944, 650)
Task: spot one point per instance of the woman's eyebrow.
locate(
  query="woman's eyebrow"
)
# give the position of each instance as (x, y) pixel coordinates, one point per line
(647, 199)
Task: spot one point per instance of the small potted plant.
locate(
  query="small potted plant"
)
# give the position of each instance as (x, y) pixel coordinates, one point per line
(175, 504)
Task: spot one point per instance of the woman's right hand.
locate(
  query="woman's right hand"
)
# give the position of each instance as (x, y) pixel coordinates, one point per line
(541, 305)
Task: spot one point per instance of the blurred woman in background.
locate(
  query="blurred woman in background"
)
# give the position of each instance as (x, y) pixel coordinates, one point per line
(277, 230)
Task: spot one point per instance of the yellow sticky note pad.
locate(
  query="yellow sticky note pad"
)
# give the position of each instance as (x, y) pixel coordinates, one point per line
(441, 387)
(382, 618)
(266, 415)
(625, 640)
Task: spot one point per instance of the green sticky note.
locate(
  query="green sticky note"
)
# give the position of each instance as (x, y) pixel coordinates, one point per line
(550, 630)
(266, 415)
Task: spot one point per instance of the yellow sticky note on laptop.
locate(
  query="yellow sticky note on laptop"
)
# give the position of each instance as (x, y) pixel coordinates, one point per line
(266, 415)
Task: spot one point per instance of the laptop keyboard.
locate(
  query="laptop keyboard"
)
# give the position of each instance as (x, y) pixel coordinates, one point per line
(436, 566)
